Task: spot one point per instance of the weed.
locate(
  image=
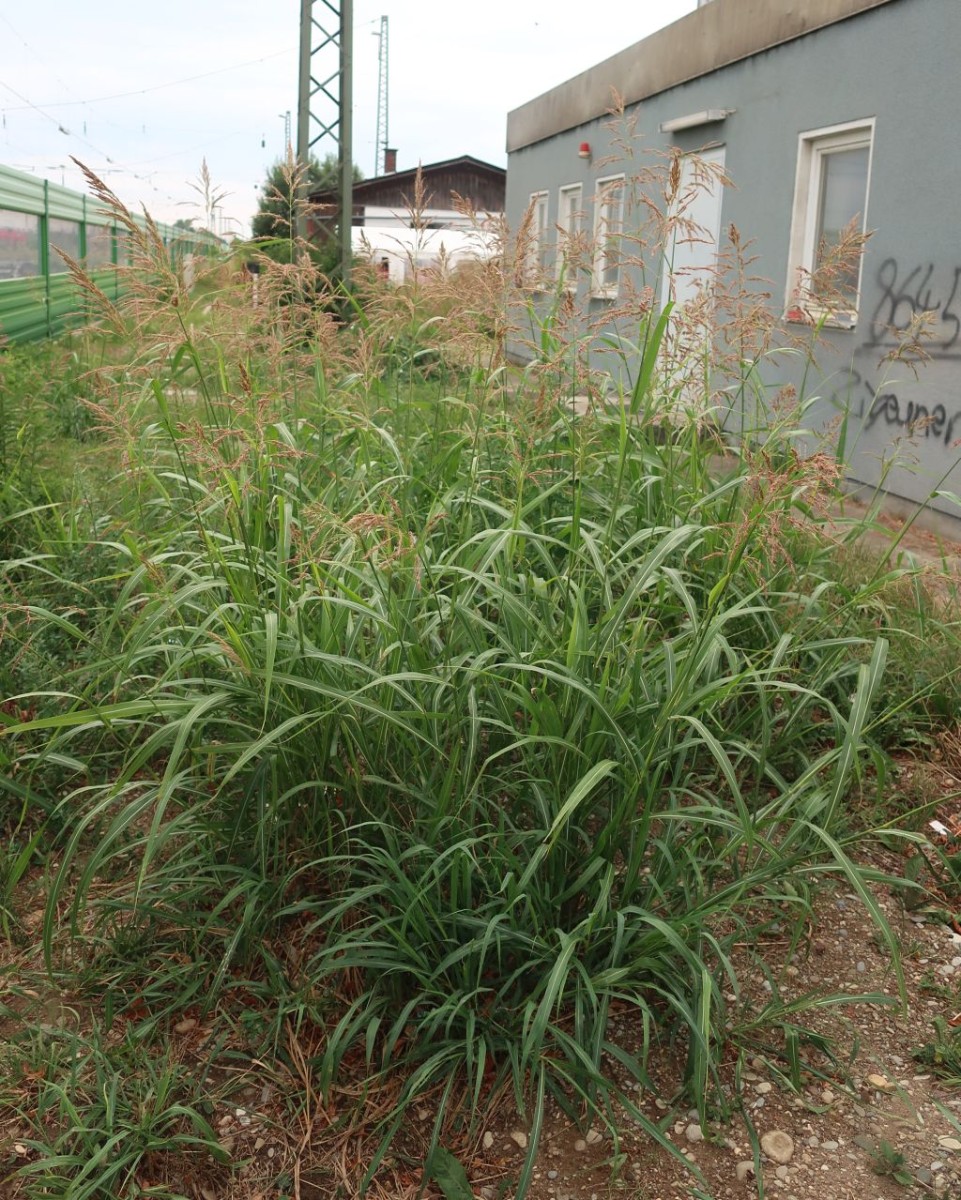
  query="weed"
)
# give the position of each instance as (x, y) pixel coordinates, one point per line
(943, 1054)
(412, 723)
(888, 1161)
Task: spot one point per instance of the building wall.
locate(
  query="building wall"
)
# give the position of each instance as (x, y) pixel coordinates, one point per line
(895, 63)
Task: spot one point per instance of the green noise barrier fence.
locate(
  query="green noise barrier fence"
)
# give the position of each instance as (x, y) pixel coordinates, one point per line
(38, 219)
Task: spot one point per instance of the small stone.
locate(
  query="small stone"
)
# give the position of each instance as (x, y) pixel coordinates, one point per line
(829, 1145)
(762, 1089)
(694, 1133)
(827, 1096)
(660, 1104)
(580, 1145)
(949, 1143)
(743, 1169)
(488, 1139)
(185, 1025)
(778, 1145)
(593, 1137)
(259, 1144)
(782, 1173)
(881, 1082)
(519, 1137)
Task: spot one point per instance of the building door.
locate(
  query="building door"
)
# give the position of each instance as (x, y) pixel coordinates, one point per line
(690, 263)
(690, 255)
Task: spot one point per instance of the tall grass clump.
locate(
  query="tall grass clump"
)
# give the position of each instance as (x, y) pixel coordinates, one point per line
(447, 721)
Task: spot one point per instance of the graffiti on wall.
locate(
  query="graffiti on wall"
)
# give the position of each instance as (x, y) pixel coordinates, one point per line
(910, 293)
(879, 406)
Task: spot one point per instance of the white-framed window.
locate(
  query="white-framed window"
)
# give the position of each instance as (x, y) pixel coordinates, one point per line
(830, 205)
(570, 217)
(608, 228)
(538, 241)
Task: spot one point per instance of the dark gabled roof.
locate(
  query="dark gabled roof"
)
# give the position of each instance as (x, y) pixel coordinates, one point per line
(408, 176)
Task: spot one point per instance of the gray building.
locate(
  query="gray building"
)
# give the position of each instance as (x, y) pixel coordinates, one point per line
(800, 124)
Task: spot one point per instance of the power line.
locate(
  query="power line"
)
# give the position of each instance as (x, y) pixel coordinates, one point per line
(157, 87)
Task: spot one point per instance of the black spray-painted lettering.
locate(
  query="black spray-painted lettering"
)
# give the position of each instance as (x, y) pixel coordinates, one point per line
(867, 403)
(916, 418)
(910, 294)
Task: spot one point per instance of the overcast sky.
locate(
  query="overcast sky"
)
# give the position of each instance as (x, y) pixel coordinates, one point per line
(143, 92)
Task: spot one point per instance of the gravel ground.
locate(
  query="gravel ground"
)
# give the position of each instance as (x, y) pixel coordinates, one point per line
(873, 1124)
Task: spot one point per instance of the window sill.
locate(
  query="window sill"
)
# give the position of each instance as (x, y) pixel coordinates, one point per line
(820, 318)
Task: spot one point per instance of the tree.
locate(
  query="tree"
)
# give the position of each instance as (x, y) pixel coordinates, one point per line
(276, 211)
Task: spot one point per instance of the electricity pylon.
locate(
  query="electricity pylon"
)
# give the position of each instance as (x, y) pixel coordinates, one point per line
(381, 142)
(324, 102)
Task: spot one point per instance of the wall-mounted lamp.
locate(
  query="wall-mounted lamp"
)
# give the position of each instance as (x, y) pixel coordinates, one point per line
(692, 120)
(584, 150)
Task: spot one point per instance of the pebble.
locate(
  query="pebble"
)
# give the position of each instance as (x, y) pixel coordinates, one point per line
(949, 1143)
(743, 1169)
(782, 1173)
(778, 1145)
(580, 1145)
(881, 1082)
(763, 1088)
(520, 1137)
(488, 1139)
(827, 1096)
(185, 1025)
(829, 1145)
(593, 1137)
(694, 1133)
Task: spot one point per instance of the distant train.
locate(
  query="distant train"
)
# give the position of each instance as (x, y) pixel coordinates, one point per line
(38, 219)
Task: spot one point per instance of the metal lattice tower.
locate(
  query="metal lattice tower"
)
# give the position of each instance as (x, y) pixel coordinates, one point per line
(382, 141)
(324, 100)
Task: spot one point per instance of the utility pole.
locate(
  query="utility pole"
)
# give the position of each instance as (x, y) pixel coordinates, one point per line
(382, 140)
(324, 102)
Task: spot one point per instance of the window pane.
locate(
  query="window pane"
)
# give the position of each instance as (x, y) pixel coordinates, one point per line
(63, 235)
(569, 220)
(19, 244)
(540, 231)
(608, 234)
(99, 246)
(844, 182)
